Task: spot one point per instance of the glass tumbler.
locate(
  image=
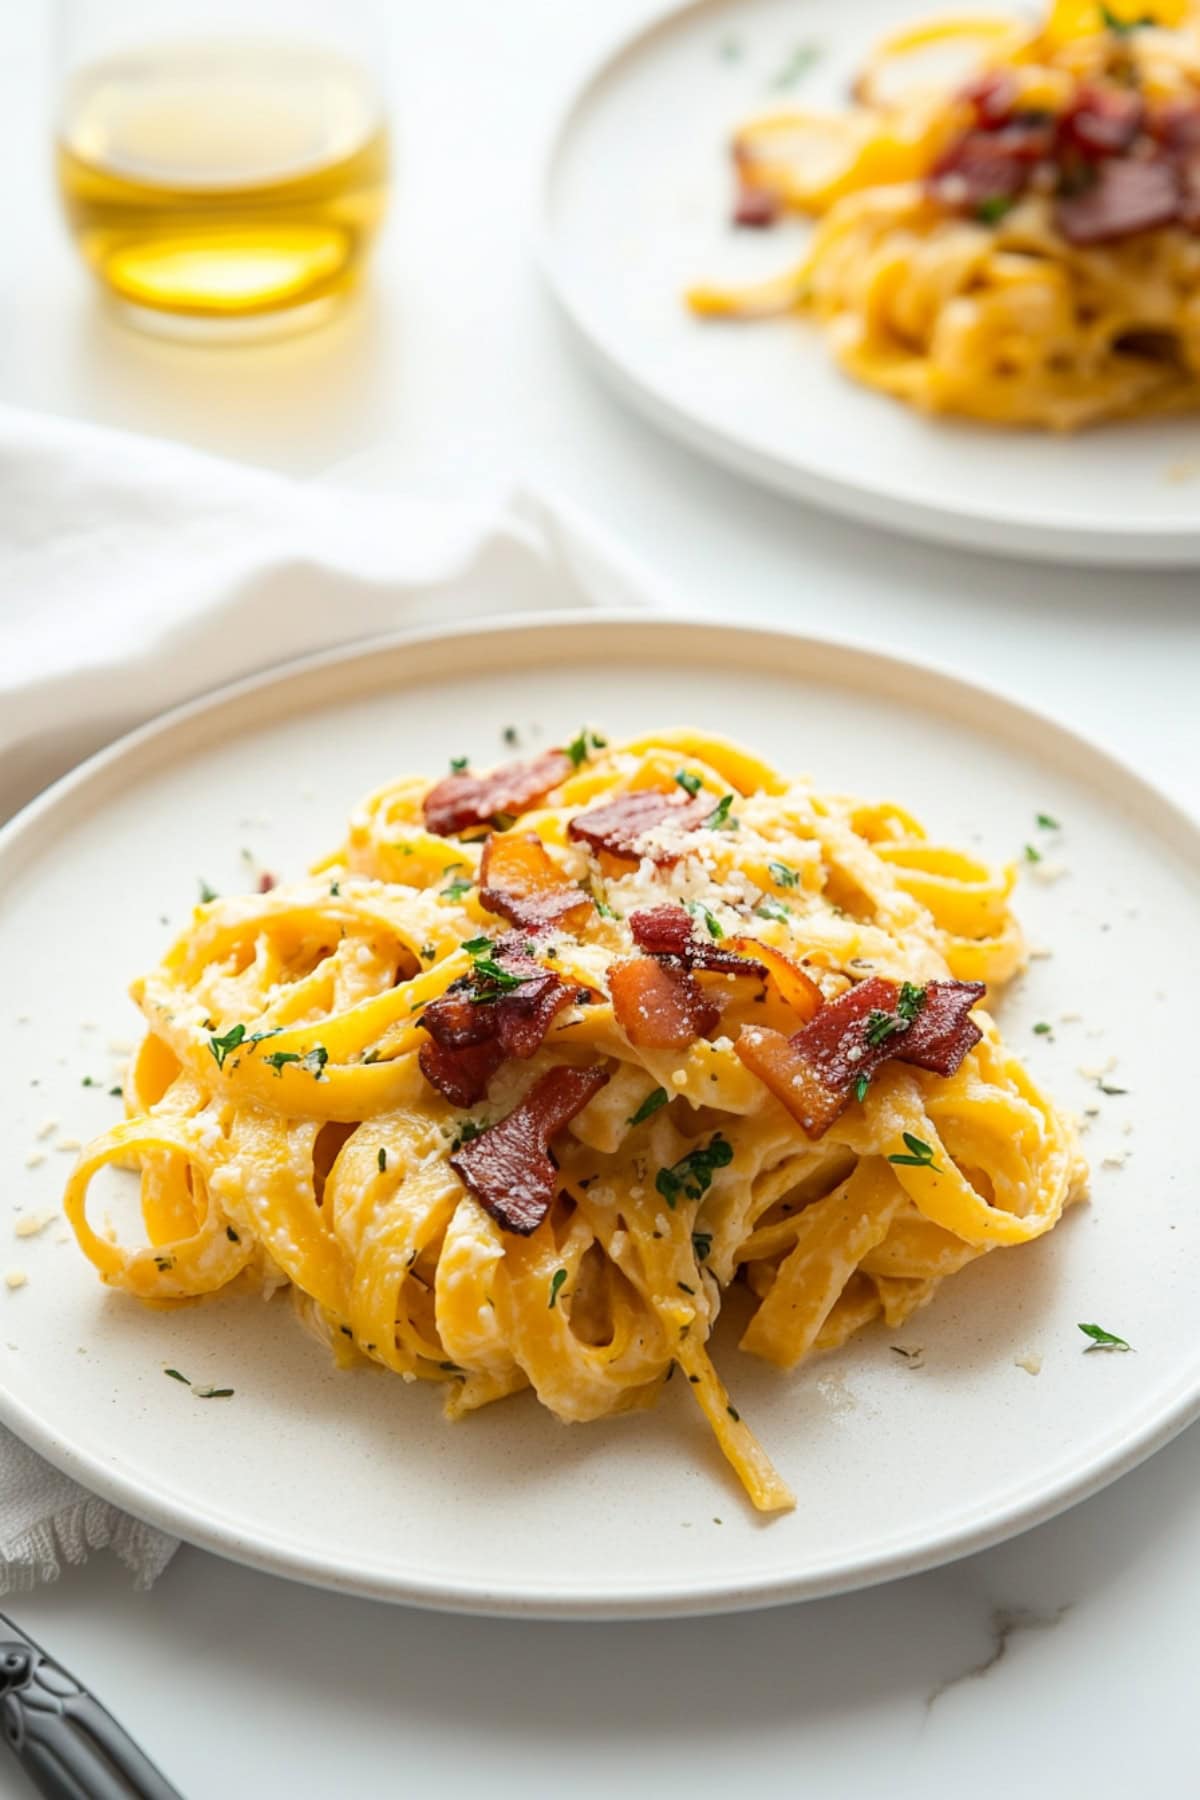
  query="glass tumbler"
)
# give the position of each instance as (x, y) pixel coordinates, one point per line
(223, 166)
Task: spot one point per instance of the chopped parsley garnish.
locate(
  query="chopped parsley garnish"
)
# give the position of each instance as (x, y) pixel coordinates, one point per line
(786, 877)
(511, 737)
(277, 1059)
(860, 1088)
(582, 746)
(1122, 27)
(1106, 1089)
(1042, 1029)
(457, 888)
(458, 764)
(314, 1060)
(494, 979)
(698, 909)
(1102, 1340)
(910, 1002)
(691, 1177)
(920, 1154)
(116, 1092)
(719, 818)
(734, 1414)
(702, 1244)
(163, 1263)
(772, 909)
(466, 1131)
(477, 946)
(201, 1393)
(690, 783)
(1032, 854)
(556, 1281)
(993, 209)
(1047, 823)
(220, 1047)
(649, 1105)
(89, 1081)
(381, 1160)
(428, 952)
(335, 888)
(881, 1026)
(798, 63)
(604, 909)
(207, 893)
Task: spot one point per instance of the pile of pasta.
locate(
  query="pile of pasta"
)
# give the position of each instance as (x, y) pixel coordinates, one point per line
(520, 1081)
(1008, 215)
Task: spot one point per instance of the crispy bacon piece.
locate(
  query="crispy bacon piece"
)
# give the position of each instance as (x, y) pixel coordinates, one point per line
(619, 823)
(814, 1072)
(755, 207)
(1177, 126)
(509, 1167)
(795, 986)
(992, 165)
(462, 1074)
(1127, 196)
(994, 97)
(658, 1003)
(477, 1013)
(670, 931)
(518, 880)
(466, 801)
(1104, 121)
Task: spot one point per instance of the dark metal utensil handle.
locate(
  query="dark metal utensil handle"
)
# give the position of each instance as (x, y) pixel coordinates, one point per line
(70, 1745)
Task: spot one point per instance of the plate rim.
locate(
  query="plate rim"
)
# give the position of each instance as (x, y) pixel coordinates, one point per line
(1169, 543)
(1030, 1503)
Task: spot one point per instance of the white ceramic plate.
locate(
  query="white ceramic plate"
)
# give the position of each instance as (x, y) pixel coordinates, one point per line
(353, 1480)
(634, 209)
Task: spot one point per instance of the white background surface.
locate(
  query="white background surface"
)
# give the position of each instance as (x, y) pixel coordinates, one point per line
(455, 366)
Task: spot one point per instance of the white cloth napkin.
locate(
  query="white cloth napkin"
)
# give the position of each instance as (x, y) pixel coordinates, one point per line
(135, 574)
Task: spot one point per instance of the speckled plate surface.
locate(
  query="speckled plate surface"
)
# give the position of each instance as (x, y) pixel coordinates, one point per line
(353, 1480)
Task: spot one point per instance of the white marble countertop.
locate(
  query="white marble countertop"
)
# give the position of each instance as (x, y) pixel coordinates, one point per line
(1061, 1663)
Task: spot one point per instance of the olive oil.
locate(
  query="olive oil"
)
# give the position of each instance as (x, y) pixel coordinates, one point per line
(211, 184)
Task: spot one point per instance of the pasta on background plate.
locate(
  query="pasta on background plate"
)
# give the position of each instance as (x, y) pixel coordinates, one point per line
(1015, 239)
(540, 1062)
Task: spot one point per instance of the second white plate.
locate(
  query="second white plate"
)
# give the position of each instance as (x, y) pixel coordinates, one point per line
(635, 208)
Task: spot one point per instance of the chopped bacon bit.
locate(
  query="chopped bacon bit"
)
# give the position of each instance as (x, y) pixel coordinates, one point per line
(466, 801)
(755, 208)
(943, 1031)
(267, 881)
(658, 1003)
(619, 823)
(994, 97)
(1104, 121)
(670, 931)
(476, 1013)
(1127, 196)
(992, 165)
(1177, 125)
(518, 880)
(796, 987)
(814, 1072)
(462, 1074)
(509, 1167)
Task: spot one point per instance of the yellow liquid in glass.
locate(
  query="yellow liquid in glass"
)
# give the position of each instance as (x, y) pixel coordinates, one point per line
(218, 183)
